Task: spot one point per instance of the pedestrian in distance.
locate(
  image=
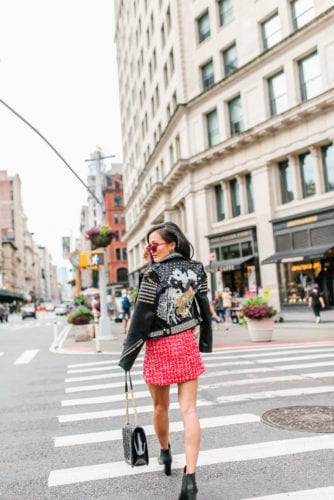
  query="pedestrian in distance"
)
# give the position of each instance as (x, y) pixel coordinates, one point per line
(316, 302)
(214, 315)
(218, 303)
(126, 311)
(227, 304)
(172, 300)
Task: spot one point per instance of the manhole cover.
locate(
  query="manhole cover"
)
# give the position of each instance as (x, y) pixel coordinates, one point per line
(301, 418)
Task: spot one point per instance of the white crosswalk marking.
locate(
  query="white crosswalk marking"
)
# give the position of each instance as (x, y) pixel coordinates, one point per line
(206, 423)
(316, 494)
(206, 457)
(26, 357)
(293, 371)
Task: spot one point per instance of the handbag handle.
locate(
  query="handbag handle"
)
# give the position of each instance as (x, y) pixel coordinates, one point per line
(128, 376)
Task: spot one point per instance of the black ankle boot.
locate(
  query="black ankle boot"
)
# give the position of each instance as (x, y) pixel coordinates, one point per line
(189, 487)
(166, 460)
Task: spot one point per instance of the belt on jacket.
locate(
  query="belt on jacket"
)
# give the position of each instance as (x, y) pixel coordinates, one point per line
(182, 327)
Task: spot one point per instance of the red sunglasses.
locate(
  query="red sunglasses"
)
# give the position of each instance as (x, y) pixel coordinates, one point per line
(153, 247)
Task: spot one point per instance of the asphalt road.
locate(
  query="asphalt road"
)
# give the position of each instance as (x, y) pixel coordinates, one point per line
(62, 414)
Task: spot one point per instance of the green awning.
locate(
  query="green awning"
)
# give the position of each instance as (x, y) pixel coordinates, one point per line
(9, 295)
(300, 255)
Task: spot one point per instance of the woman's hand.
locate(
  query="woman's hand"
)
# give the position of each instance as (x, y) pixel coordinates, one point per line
(147, 256)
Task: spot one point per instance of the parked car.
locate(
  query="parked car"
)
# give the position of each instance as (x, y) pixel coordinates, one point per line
(28, 311)
(49, 307)
(61, 310)
(4, 311)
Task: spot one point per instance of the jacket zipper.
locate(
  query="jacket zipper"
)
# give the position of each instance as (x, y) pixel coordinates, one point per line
(132, 348)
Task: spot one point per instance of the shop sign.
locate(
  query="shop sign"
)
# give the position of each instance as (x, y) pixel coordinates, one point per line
(231, 237)
(227, 268)
(300, 222)
(293, 259)
(306, 267)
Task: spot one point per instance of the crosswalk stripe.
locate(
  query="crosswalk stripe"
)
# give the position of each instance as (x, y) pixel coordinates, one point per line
(215, 385)
(206, 457)
(26, 357)
(76, 417)
(316, 494)
(108, 399)
(295, 358)
(272, 347)
(215, 374)
(115, 435)
(300, 391)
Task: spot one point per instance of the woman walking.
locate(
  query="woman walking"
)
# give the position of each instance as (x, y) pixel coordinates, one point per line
(172, 300)
(316, 302)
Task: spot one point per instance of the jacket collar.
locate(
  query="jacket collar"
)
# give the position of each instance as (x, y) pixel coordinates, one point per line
(171, 256)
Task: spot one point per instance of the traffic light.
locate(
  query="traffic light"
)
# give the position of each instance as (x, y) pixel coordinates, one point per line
(96, 259)
(83, 260)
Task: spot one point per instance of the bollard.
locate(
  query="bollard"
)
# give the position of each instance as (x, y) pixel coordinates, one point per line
(97, 342)
(55, 332)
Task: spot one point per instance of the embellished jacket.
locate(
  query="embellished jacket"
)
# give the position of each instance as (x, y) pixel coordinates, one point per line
(172, 292)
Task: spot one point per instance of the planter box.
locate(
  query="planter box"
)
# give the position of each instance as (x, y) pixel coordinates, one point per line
(260, 330)
(83, 333)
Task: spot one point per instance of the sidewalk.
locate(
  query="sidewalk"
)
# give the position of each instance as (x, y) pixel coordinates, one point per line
(297, 327)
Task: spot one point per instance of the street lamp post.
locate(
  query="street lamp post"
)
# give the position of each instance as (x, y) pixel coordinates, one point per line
(104, 330)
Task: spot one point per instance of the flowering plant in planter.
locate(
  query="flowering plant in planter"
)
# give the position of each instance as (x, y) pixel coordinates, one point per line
(256, 308)
(80, 316)
(100, 236)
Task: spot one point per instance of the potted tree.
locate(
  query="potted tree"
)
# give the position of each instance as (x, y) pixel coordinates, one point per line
(100, 236)
(259, 317)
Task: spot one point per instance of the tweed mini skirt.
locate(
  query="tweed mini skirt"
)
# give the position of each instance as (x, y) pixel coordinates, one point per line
(172, 360)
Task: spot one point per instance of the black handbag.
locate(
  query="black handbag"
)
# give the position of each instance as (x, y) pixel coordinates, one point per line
(134, 437)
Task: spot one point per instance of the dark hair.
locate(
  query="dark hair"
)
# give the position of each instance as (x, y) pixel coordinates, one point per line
(171, 232)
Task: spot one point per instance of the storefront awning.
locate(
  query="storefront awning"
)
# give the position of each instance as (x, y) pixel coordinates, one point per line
(300, 255)
(229, 264)
(8, 295)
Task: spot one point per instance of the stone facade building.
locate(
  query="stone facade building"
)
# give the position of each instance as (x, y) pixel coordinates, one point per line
(227, 111)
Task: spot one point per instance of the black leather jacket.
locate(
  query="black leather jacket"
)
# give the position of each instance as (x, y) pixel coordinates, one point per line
(172, 291)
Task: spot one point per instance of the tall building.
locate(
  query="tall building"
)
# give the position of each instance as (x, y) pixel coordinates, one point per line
(228, 127)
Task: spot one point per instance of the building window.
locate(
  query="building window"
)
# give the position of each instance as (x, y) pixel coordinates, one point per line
(116, 219)
(310, 77)
(328, 163)
(235, 197)
(171, 62)
(249, 190)
(302, 12)
(212, 128)
(118, 253)
(208, 77)
(307, 174)
(286, 181)
(118, 201)
(220, 207)
(277, 93)
(230, 59)
(122, 275)
(271, 31)
(124, 254)
(203, 25)
(225, 11)
(235, 115)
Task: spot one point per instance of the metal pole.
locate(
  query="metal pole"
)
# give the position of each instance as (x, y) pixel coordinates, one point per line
(104, 330)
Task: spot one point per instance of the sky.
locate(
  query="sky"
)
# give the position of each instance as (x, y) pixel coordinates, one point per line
(58, 70)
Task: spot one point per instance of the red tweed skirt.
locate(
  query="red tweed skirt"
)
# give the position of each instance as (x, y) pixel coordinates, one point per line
(172, 360)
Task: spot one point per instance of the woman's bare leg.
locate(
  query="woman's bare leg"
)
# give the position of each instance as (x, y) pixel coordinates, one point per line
(160, 398)
(192, 430)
